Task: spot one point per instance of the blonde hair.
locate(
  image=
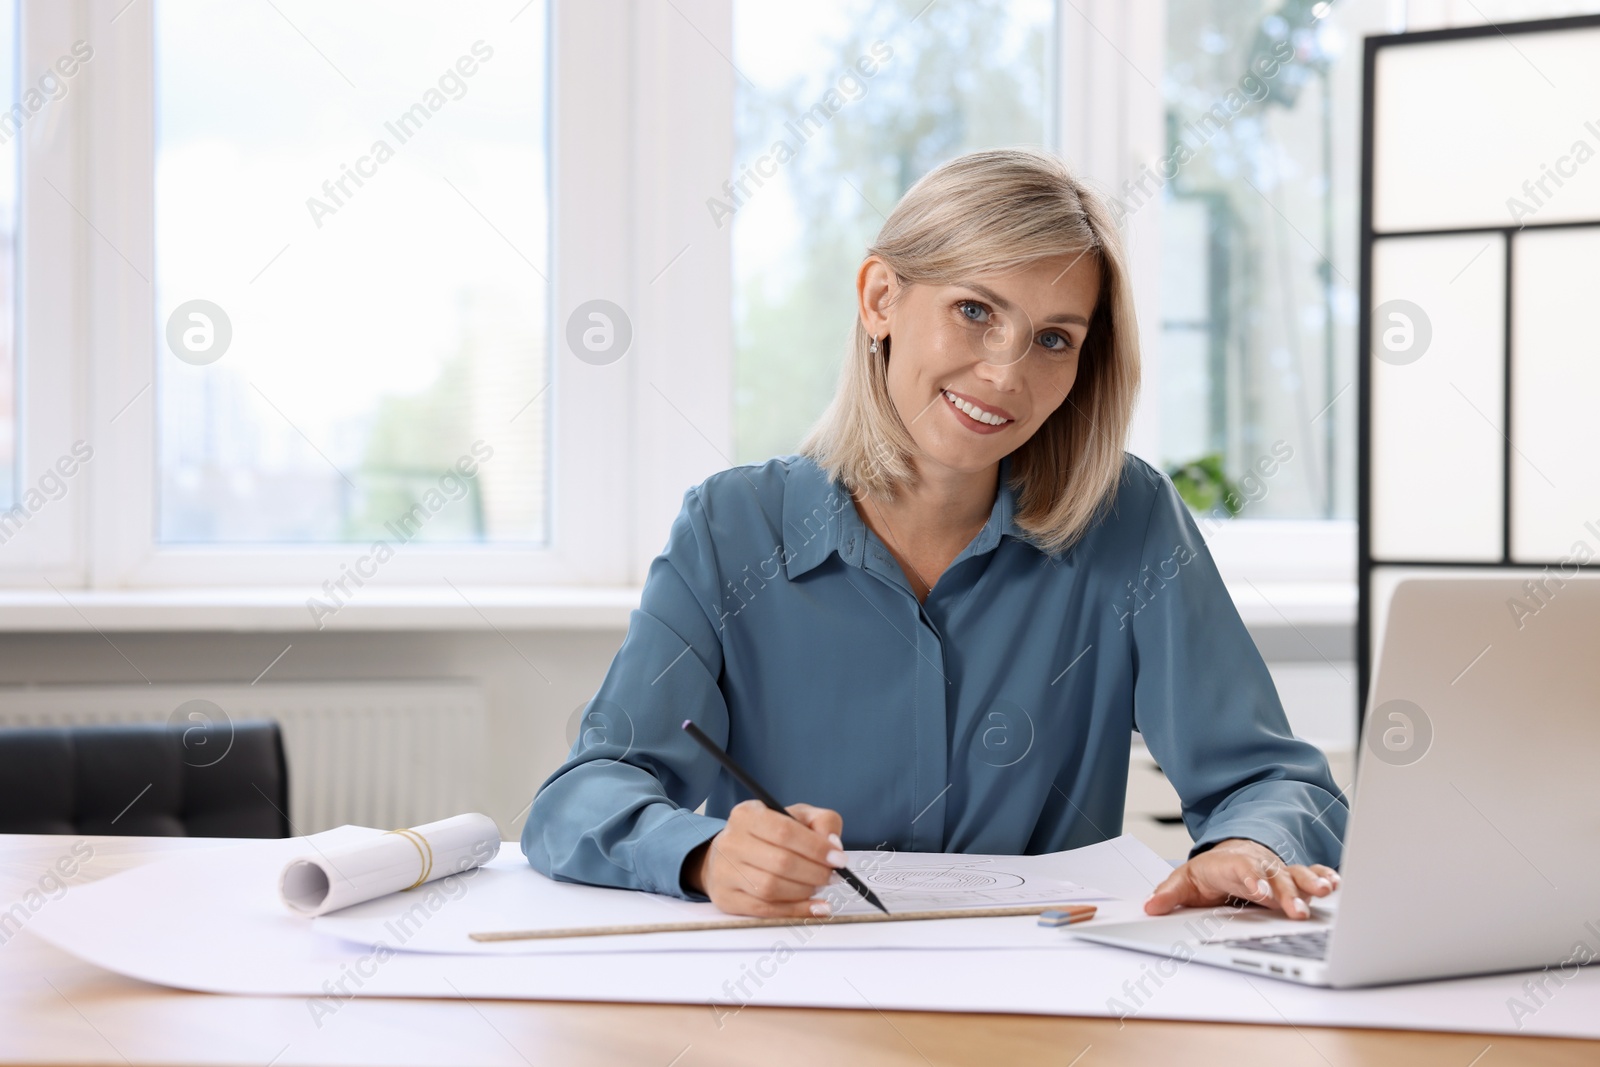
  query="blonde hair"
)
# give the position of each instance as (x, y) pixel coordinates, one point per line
(988, 212)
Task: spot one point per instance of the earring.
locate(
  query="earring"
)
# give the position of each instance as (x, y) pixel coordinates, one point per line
(874, 347)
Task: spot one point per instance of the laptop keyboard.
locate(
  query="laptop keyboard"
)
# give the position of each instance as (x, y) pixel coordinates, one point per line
(1312, 945)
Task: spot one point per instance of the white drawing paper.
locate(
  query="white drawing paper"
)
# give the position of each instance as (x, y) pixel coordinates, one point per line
(210, 920)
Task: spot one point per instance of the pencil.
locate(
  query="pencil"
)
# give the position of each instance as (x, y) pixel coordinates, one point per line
(767, 799)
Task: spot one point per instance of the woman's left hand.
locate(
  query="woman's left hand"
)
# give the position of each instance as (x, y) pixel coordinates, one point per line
(1247, 870)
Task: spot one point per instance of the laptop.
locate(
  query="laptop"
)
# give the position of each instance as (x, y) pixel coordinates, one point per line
(1474, 839)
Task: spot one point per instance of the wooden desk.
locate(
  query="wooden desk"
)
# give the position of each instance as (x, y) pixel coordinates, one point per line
(55, 1009)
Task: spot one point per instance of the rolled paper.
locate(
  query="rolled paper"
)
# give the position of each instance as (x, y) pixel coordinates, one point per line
(329, 879)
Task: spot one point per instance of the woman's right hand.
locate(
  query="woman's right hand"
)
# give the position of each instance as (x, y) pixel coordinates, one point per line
(765, 864)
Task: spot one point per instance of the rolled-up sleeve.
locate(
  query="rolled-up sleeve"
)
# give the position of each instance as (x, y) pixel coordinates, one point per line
(620, 811)
(1209, 712)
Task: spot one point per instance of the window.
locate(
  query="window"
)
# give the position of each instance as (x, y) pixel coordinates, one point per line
(1260, 255)
(10, 130)
(43, 487)
(351, 253)
(325, 310)
(283, 343)
(945, 79)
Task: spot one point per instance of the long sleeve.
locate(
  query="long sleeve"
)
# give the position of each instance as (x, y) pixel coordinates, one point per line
(620, 810)
(1209, 712)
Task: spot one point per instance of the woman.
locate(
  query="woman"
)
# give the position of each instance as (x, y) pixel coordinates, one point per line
(939, 623)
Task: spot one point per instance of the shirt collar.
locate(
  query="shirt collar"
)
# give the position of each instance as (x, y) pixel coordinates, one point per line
(819, 518)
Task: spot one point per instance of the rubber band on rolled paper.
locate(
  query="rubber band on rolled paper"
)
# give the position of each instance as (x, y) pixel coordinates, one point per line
(424, 853)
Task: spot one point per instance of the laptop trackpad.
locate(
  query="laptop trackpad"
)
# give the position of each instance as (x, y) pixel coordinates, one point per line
(1192, 927)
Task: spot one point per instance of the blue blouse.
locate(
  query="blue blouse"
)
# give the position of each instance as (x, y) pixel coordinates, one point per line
(994, 718)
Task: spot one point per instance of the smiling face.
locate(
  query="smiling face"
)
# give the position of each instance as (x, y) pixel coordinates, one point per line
(976, 368)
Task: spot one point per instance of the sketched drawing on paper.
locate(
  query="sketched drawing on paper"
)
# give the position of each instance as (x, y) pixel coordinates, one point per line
(942, 879)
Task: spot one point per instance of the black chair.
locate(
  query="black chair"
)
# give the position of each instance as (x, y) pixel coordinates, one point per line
(147, 779)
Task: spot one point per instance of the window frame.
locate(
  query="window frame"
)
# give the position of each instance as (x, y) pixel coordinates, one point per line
(587, 187)
(46, 550)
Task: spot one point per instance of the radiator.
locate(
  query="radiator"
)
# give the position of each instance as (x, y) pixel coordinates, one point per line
(370, 753)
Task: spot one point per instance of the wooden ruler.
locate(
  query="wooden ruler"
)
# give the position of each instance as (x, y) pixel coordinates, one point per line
(1079, 912)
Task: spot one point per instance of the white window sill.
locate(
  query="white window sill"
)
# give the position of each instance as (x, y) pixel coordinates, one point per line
(1262, 605)
(284, 609)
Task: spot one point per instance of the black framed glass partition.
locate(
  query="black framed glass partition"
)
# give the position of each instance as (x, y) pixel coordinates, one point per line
(1480, 267)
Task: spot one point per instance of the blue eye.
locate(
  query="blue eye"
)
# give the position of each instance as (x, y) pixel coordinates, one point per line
(1066, 342)
(982, 312)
